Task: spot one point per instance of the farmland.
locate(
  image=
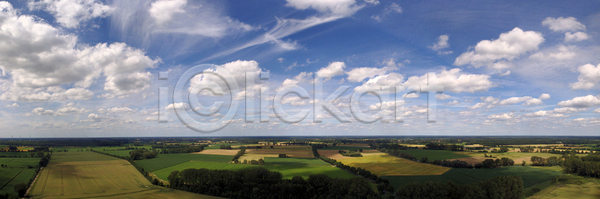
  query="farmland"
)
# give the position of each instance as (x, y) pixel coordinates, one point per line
(168, 160)
(288, 167)
(571, 187)
(9, 177)
(436, 154)
(386, 165)
(530, 176)
(88, 174)
(20, 162)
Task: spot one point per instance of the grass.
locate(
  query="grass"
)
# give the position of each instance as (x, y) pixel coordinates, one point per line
(288, 167)
(530, 176)
(384, 164)
(9, 177)
(435, 154)
(93, 175)
(168, 160)
(571, 187)
(20, 162)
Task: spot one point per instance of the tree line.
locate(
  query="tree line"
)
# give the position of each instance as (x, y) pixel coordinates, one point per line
(506, 187)
(584, 166)
(262, 183)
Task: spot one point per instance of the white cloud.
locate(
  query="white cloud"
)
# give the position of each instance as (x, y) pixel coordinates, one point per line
(505, 74)
(578, 36)
(72, 13)
(237, 69)
(14, 105)
(442, 96)
(509, 46)
(478, 105)
(597, 110)
(359, 74)
(117, 110)
(163, 10)
(560, 54)
(452, 103)
(441, 44)
(392, 8)
(410, 95)
(588, 77)
(335, 7)
(65, 109)
(581, 102)
(452, 80)
(332, 70)
(180, 105)
(501, 117)
(42, 56)
(544, 96)
(391, 80)
(514, 100)
(395, 8)
(561, 24)
(533, 102)
(568, 110)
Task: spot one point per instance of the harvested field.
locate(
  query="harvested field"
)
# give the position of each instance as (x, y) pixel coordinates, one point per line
(291, 151)
(218, 151)
(386, 165)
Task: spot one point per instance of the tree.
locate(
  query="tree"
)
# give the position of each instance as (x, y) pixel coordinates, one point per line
(40, 154)
(523, 164)
(261, 161)
(423, 159)
(21, 189)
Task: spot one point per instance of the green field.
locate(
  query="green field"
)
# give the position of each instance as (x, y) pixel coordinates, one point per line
(9, 177)
(530, 176)
(20, 162)
(93, 175)
(168, 160)
(435, 154)
(288, 167)
(18, 154)
(384, 165)
(571, 187)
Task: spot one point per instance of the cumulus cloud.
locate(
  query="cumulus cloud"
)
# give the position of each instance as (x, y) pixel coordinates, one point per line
(335, 7)
(509, 46)
(42, 56)
(72, 13)
(69, 108)
(501, 116)
(581, 102)
(441, 44)
(573, 37)
(490, 101)
(452, 80)
(237, 69)
(588, 77)
(359, 74)
(391, 80)
(332, 70)
(442, 96)
(562, 24)
(163, 10)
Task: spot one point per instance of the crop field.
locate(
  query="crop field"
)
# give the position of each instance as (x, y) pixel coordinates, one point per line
(386, 165)
(436, 154)
(168, 160)
(347, 147)
(575, 187)
(530, 176)
(292, 151)
(231, 152)
(518, 157)
(20, 162)
(17, 154)
(288, 167)
(9, 177)
(88, 174)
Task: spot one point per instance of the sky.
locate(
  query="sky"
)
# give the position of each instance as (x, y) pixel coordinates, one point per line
(95, 68)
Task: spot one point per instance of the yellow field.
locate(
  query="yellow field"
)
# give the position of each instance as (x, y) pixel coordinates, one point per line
(518, 157)
(93, 175)
(386, 165)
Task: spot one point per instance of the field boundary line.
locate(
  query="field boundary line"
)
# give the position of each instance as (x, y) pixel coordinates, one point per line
(11, 180)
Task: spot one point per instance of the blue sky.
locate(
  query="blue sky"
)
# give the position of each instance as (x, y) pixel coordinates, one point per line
(89, 68)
